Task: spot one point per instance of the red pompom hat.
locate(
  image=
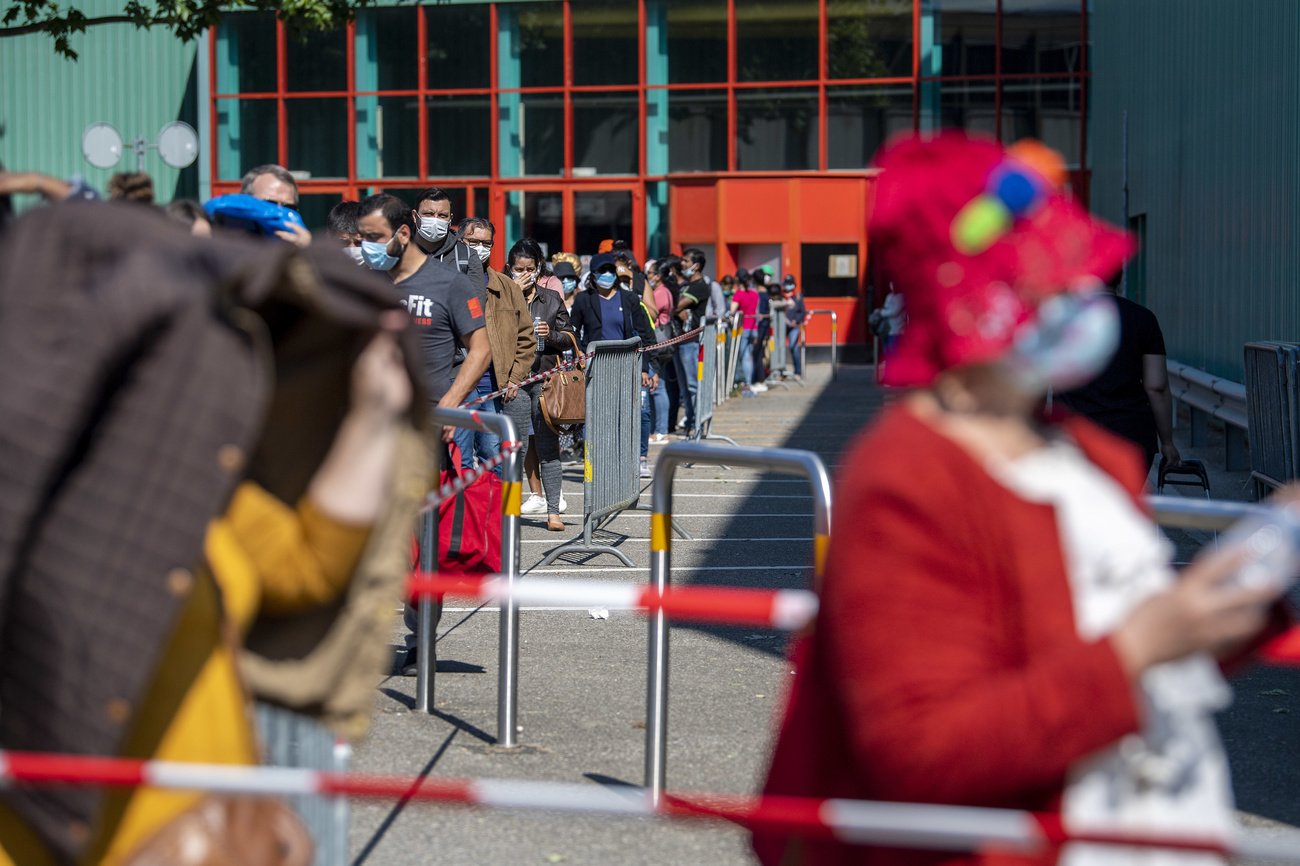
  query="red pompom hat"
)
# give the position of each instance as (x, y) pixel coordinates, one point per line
(976, 237)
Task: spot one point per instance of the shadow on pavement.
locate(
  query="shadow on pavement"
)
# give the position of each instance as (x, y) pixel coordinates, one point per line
(841, 410)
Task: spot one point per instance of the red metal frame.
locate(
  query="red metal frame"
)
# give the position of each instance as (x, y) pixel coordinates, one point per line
(567, 184)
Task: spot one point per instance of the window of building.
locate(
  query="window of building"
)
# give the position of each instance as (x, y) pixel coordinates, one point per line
(458, 42)
(460, 135)
(869, 38)
(537, 31)
(860, 118)
(1041, 37)
(604, 42)
(606, 133)
(776, 40)
(316, 62)
(396, 29)
(245, 48)
(967, 36)
(247, 136)
(697, 130)
(695, 39)
(776, 130)
(1048, 109)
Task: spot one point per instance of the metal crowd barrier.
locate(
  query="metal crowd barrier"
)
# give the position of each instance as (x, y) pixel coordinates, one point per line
(293, 740)
(611, 462)
(1188, 513)
(723, 390)
(779, 354)
(784, 460)
(835, 326)
(733, 350)
(708, 376)
(1210, 396)
(508, 642)
(1273, 410)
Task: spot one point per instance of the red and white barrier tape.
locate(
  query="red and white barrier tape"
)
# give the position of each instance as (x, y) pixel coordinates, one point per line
(468, 477)
(786, 609)
(569, 365)
(858, 822)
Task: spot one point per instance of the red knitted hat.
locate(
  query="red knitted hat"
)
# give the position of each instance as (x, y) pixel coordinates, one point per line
(976, 236)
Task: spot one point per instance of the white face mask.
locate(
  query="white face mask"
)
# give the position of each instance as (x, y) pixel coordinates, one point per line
(483, 252)
(433, 228)
(1071, 339)
(354, 253)
(524, 278)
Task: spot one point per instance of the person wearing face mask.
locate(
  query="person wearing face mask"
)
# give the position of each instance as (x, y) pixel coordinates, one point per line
(795, 314)
(510, 333)
(608, 311)
(433, 219)
(341, 227)
(541, 455)
(567, 276)
(1000, 623)
(692, 305)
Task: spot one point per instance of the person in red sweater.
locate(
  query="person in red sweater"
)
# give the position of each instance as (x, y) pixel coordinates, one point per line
(999, 622)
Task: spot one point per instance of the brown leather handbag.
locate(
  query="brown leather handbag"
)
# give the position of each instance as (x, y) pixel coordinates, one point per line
(229, 831)
(564, 395)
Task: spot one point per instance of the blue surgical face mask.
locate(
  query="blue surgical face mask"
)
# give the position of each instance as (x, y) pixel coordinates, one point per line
(376, 255)
(606, 281)
(569, 284)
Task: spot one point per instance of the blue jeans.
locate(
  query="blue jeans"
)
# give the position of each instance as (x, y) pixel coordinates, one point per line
(792, 342)
(659, 407)
(645, 421)
(688, 360)
(747, 356)
(474, 442)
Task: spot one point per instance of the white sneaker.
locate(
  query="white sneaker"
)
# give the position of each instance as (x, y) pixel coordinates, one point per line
(758, 386)
(658, 438)
(564, 504)
(645, 469)
(535, 505)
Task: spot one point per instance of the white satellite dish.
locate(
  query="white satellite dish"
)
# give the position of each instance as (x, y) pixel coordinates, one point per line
(178, 144)
(101, 145)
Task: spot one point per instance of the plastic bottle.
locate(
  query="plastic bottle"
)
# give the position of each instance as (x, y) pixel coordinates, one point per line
(1271, 542)
(541, 341)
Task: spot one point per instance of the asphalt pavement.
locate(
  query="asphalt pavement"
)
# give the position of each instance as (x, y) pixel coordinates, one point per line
(582, 672)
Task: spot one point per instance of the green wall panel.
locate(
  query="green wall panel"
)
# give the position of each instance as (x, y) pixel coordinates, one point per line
(136, 80)
(1213, 162)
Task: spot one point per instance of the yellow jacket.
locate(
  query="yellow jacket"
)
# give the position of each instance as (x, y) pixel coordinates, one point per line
(263, 555)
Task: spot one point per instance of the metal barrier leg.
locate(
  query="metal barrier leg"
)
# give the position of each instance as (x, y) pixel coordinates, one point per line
(785, 460)
(1235, 448)
(508, 638)
(424, 636)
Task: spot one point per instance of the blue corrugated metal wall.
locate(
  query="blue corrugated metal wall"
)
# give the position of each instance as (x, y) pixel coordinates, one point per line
(136, 80)
(1213, 157)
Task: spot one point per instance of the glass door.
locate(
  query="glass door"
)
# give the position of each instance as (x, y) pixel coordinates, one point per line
(572, 217)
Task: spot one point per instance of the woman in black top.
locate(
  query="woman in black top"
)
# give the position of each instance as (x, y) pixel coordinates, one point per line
(526, 264)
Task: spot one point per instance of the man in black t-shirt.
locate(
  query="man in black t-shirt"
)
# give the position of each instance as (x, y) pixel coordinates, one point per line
(442, 302)
(1131, 396)
(692, 303)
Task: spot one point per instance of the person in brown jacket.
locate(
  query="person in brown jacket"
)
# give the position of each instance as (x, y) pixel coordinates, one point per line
(510, 331)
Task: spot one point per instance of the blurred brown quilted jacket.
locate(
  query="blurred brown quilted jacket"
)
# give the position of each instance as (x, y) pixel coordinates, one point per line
(143, 373)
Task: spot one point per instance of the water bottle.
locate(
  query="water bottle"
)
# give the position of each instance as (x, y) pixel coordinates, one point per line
(1271, 542)
(541, 341)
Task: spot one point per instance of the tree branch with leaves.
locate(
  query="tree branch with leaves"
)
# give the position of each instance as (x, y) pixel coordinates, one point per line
(186, 19)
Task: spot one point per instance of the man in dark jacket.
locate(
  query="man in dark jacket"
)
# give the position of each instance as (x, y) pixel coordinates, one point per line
(433, 218)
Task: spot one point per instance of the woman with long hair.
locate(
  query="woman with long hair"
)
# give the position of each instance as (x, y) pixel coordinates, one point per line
(527, 266)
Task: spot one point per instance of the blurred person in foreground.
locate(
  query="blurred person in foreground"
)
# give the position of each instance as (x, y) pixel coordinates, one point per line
(274, 183)
(1000, 625)
(1131, 397)
(236, 526)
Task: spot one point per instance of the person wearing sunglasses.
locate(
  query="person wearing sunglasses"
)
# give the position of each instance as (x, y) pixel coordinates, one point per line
(273, 183)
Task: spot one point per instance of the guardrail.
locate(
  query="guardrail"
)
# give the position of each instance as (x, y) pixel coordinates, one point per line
(835, 328)
(508, 640)
(786, 460)
(1209, 396)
